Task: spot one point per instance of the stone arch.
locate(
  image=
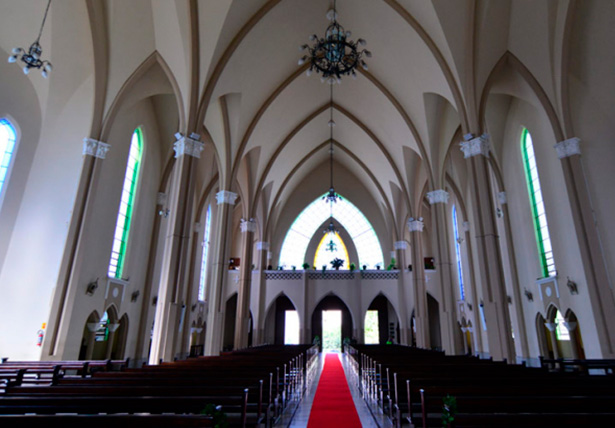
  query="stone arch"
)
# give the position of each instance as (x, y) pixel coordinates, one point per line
(89, 336)
(332, 302)
(389, 324)
(274, 322)
(576, 340)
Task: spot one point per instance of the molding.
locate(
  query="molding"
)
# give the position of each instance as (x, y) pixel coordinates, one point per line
(95, 148)
(551, 326)
(247, 225)
(262, 246)
(466, 226)
(570, 325)
(502, 198)
(567, 148)
(415, 225)
(438, 196)
(188, 146)
(226, 197)
(162, 198)
(401, 245)
(476, 146)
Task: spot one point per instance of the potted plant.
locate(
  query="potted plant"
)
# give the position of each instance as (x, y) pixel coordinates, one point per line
(392, 264)
(306, 266)
(324, 268)
(337, 263)
(352, 266)
(364, 267)
(294, 268)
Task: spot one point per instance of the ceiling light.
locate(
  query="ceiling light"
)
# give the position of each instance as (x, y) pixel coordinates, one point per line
(334, 55)
(32, 58)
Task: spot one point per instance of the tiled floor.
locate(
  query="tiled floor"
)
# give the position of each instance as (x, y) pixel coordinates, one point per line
(302, 414)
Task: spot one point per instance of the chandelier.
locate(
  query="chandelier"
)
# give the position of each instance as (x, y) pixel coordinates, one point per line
(32, 57)
(334, 55)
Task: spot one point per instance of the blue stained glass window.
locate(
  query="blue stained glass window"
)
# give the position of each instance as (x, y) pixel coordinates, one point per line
(458, 253)
(206, 234)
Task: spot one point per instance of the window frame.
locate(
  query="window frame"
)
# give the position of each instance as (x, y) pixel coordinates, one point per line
(547, 264)
(7, 122)
(117, 270)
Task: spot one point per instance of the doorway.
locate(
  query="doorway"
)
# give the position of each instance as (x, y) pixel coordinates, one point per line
(332, 331)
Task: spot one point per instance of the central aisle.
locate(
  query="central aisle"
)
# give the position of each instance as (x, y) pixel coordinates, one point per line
(333, 405)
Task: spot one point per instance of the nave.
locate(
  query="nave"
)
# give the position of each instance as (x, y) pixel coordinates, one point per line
(296, 386)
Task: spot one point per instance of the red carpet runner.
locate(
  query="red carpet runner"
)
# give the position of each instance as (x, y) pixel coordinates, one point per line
(333, 405)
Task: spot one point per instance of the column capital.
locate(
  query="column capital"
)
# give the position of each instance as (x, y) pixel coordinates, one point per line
(415, 225)
(95, 148)
(262, 246)
(568, 148)
(188, 146)
(438, 196)
(570, 325)
(476, 146)
(401, 245)
(247, 225)
(226, 197)
(551, 326)
(502, 198)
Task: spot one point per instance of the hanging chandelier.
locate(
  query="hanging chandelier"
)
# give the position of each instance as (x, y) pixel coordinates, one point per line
(334, 55)
(32, 57)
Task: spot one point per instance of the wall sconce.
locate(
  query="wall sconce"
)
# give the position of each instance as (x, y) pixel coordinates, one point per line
(91, 287)
(499, 212)
(193, 307)
(164, 212)
(134, 295)
(509, 299)
(459, 240)
(528, 294)
(155, 300)
(572, 286)
(469, 306)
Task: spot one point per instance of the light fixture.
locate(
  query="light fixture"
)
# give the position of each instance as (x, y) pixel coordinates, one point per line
(334, 55)
(32, 58)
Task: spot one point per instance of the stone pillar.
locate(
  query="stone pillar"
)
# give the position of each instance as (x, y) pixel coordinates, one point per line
(520, 330)
(491, 271)
(551, 326)
(112, 329)
(421, 316)
(477, 339)
(404, 317)
(89, 349)
(242, 323)
(94, 152)
(598, 284)
(438, 200)
(171, 305)
(259, 318)
(215, 315)
(571, 326)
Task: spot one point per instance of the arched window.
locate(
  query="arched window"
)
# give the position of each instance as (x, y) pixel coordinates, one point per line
(545, 252)
(561, 332)
(314, 215)
(458, 253)
(124, 215)
(206, 234)
(324, 252)
(8, 140)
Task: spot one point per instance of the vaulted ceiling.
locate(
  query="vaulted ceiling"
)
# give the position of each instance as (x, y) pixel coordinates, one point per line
(231, 74)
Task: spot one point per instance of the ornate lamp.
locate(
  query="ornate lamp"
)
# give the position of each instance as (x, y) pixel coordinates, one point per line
(334, 55)
(32, 57)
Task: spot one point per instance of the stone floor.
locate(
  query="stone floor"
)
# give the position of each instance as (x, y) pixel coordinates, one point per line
(299, 418)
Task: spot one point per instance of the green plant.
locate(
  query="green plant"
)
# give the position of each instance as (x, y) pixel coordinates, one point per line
(392, 264)
(449, 409)
(352, 266)
(294, 267)
(324, 268)
(316, 340)
(218, 416)
(306, 266)
(337, 263)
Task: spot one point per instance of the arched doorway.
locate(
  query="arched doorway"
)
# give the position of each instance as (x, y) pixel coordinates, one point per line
(89, 336)
(281, 322)
(381, 324)
(576, 340)
(433, 312)
(230, 315)
(327, 305)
